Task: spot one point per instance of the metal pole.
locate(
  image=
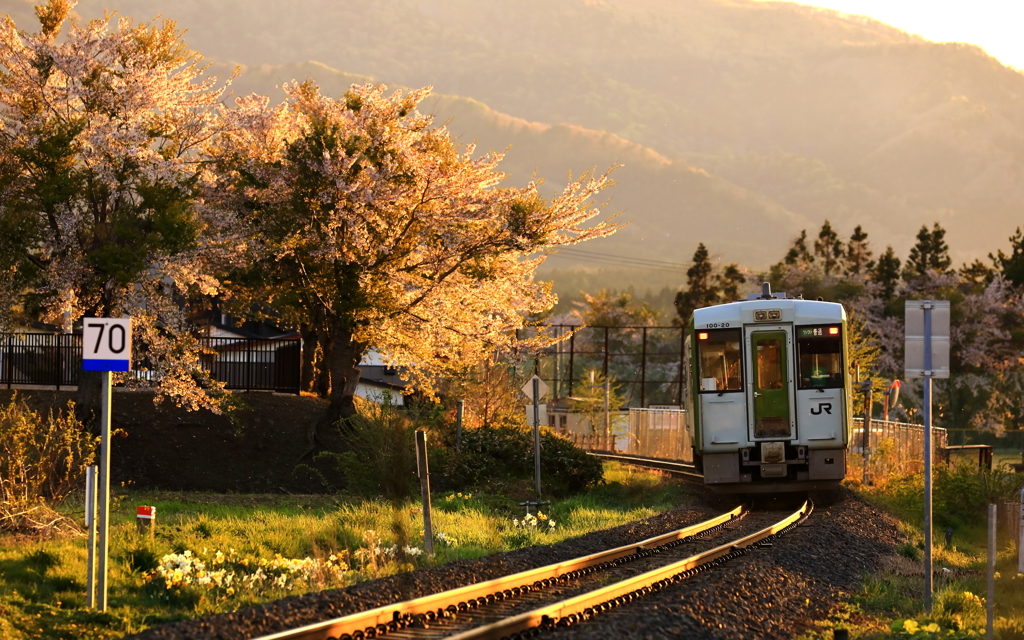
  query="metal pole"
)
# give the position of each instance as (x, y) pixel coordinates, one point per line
(104, 490)
(536, 433)
(604, 370)
(90, 525)
(643, 369)
(60, 360)
(867, 431)
(424, 474)
(991, 603)
(682, 369)
(607, 412)
(927, 410)
(558, 364)
(1020, 533)
(458, 424)
(572, 356)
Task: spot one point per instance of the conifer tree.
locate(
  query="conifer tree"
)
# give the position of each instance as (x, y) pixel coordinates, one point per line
(730, 281)
(887, 273)
(1012, 266)
(929, 254)
(828, 249)
(857, 259)
(977, 273)
(798, 254)
(701, 289)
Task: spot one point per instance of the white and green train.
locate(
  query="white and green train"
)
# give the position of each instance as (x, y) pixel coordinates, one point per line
(767, 404)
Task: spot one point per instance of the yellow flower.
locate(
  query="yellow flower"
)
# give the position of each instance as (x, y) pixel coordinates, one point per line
(910, 626)
(231, 591)
(931, 628)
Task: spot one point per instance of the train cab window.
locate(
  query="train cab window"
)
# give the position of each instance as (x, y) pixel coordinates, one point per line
(820, 351)
(719, 352)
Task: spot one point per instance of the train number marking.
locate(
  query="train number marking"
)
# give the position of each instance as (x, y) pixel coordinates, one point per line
(717, 325)
(822, 406)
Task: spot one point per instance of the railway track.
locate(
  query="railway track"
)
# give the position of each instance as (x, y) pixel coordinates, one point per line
(684, 470)
(560, 594)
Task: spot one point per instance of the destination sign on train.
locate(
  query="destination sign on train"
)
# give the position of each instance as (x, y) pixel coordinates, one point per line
(819, 332)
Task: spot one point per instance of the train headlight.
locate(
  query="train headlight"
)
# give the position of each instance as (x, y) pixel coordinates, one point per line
(703, 335)
(833, 331)
(767, 315)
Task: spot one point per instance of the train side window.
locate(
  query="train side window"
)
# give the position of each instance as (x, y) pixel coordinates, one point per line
(821, 357)
(720, 363)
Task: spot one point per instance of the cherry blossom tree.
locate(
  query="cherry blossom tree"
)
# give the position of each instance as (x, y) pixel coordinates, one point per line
(101, 133)
(397, 239)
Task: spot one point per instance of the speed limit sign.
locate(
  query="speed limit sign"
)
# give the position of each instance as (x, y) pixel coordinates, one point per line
(107, 344)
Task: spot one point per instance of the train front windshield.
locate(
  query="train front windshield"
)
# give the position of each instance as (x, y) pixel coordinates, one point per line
(821, 357)
(720, 368)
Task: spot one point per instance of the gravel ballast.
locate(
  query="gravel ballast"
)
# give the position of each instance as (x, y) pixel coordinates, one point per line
(777, 592)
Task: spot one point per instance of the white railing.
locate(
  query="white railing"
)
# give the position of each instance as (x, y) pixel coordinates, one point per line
(898, 446)
(658, 433)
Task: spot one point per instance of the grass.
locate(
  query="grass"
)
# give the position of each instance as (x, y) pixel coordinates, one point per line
(296, 543)
(890, 602)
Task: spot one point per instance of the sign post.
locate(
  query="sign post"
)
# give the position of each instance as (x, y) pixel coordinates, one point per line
(927, 356)
(423, 471)
(106, 347)
(90, 525)
(534, 389)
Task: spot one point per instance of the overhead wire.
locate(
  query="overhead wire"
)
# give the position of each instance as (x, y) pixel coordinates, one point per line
(621, 261)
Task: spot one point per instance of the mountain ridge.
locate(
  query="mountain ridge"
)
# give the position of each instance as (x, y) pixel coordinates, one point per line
(794, 114)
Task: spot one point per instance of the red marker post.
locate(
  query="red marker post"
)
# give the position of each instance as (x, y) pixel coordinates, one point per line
(145, 519)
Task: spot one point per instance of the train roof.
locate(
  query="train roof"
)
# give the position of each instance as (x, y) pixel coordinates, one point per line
(792, 310)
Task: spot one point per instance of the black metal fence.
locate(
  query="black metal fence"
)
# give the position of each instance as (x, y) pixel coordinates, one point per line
(646, 363)
(241, 363)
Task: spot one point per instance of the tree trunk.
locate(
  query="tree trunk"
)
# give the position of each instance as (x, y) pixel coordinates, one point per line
(343, 362)
(322, 383)
(309, 344)
(88, 399)
(340, 366)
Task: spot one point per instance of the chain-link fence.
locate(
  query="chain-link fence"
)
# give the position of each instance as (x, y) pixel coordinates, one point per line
(644, 362)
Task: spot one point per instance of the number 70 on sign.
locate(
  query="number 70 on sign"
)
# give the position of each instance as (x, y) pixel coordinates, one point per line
(107, 344)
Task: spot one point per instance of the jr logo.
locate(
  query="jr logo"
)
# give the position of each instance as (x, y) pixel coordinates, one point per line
(822, 406)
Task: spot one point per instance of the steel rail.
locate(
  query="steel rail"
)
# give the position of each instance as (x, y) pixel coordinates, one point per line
(383, 619)
(584, 606)
(683, 469)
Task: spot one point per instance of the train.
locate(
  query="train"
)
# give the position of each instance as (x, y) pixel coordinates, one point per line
(768, 396)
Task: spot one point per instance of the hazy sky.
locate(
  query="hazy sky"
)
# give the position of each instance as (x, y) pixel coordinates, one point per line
(995, 25)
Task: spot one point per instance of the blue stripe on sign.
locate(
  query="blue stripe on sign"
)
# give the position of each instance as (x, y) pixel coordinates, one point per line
(89, 364)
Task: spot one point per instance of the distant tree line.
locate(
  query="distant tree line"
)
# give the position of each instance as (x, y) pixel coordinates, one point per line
(987, 302)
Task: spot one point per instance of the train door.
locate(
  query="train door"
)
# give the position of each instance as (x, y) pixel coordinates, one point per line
(770, 384)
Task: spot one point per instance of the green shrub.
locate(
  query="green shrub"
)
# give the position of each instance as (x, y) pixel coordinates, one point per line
(42, 461)
(567, 465)
(381, 460)
(502, 454)
(963, 491)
